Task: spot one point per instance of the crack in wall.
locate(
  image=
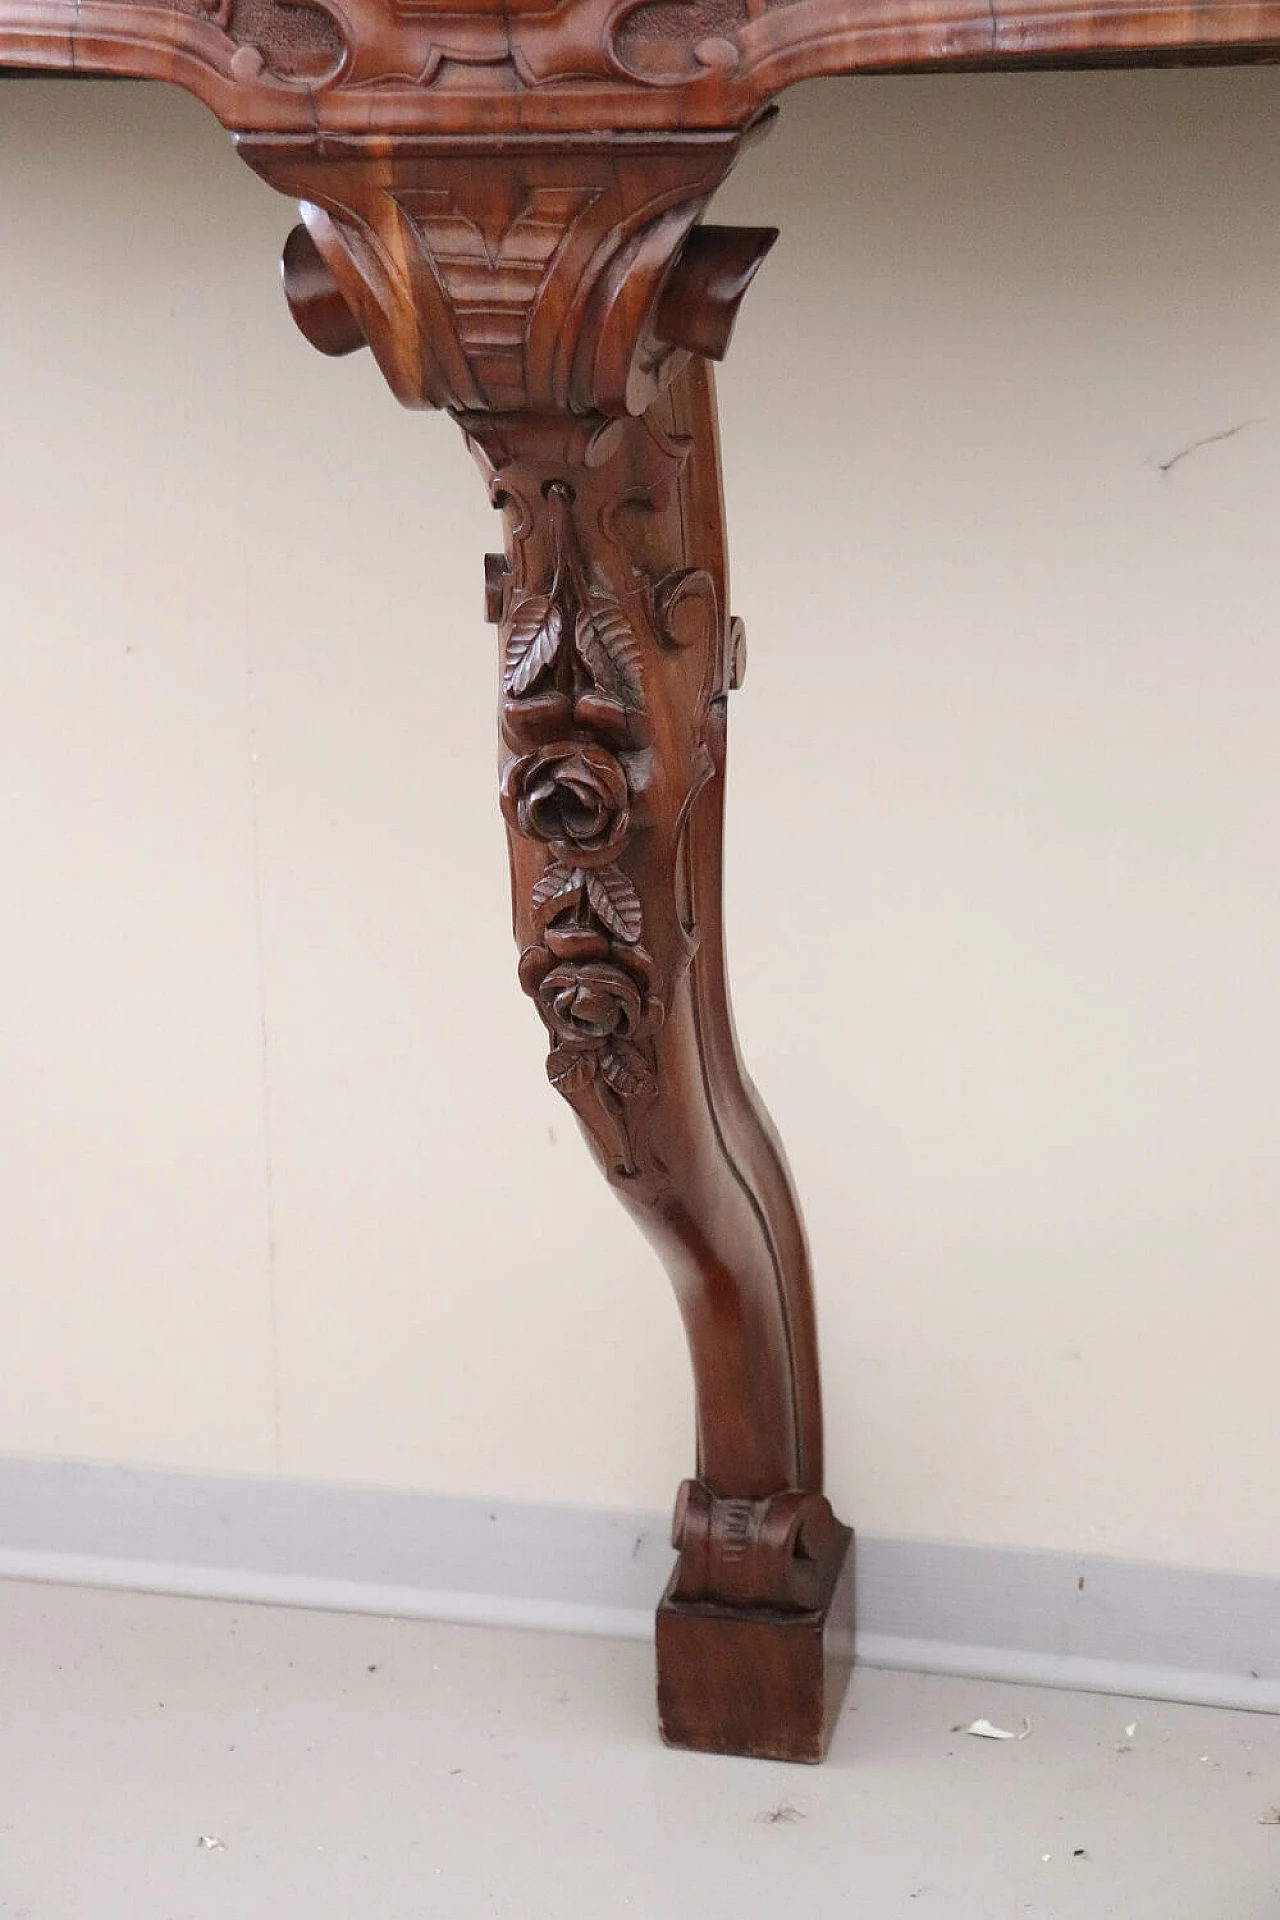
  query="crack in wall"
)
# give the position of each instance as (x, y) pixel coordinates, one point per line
(1207, 440)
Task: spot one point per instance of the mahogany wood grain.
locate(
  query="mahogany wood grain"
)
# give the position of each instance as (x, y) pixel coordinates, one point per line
(375, 69)
(504, 200)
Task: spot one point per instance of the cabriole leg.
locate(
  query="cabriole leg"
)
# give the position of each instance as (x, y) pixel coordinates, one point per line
(617, 655)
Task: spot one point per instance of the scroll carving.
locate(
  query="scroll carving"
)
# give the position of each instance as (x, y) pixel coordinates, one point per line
(775, 1552)
(280, 39)
(521, 277)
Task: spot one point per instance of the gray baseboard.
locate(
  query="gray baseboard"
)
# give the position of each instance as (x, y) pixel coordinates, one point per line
(996, 1613)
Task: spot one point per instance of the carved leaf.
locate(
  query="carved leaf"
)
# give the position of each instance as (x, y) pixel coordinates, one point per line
(556, 882)
(533, 641)
(609, 650)
(616, 902)
(627, 1070)
(569, 1069)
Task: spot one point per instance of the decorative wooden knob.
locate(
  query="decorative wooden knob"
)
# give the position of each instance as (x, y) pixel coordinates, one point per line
(737, 653)
(315, 299)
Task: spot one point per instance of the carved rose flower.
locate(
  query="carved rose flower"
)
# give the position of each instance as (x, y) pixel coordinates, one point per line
(575, 798)
(590, 1004)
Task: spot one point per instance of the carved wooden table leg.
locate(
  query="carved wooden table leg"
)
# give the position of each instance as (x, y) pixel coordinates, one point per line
(551, 299)
(616, 660)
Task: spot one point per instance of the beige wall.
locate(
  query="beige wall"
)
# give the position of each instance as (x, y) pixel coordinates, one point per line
(281, 1186)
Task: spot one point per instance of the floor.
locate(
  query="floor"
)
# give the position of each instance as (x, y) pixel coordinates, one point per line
(186, 1760)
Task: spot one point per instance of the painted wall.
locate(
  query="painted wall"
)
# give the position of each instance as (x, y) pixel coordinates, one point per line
(281, 1186)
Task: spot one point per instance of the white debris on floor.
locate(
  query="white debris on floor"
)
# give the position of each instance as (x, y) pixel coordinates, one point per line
(983, 1730)
(187, 1760)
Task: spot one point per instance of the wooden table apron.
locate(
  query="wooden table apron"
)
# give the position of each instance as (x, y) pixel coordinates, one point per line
(504, 202)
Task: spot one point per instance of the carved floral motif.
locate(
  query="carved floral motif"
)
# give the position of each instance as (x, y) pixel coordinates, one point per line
(574, 796)
(590, 1004)
(572, 660)
(593, 1009)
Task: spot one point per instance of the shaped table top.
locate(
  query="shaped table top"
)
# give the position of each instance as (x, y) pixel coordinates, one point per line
(403, 68)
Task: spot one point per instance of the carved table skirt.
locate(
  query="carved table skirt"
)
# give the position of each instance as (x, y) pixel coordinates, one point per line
(504, 201)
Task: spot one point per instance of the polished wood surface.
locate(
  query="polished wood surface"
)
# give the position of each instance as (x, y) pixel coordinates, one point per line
(504, 201)
(381, 68)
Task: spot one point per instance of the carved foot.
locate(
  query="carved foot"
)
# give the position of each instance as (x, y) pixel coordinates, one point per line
(764, 1681)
